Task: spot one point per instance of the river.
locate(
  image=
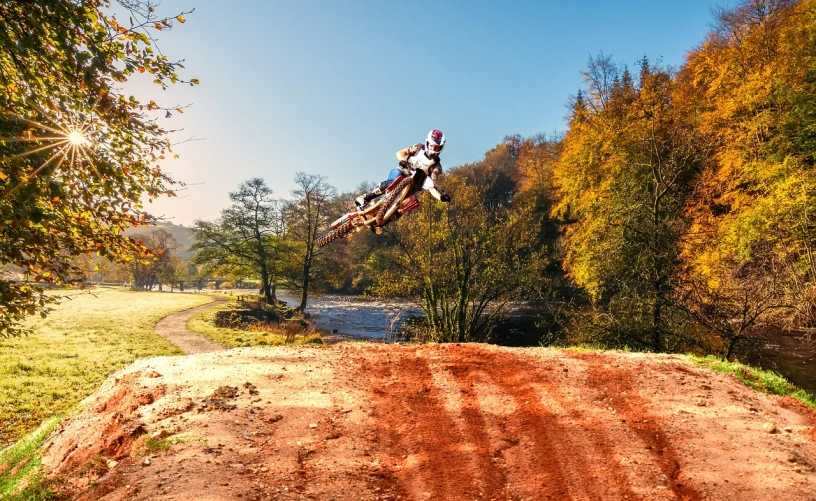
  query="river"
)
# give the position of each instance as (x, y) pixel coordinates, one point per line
(791, 355)
(357, 316)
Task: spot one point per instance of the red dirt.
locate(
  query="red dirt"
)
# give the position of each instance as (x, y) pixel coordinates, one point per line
(363, 422)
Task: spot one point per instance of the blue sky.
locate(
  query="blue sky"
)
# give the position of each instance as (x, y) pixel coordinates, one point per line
(336, 87)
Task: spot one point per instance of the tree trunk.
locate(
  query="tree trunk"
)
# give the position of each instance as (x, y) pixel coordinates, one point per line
(732, 345)
(307, 269)
(266, 288)
(656, 330)
(304, 293)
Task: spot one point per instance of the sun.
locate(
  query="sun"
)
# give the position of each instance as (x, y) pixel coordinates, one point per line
(76, 138)
(67, 140)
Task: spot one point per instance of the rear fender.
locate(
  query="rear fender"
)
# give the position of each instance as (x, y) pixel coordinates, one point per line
(341, 219)
(410, 204)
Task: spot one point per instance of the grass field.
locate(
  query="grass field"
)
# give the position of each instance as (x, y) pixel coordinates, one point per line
(202, 323)
(74, 349)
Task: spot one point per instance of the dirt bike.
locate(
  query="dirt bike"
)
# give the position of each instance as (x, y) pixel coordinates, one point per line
(400, 197)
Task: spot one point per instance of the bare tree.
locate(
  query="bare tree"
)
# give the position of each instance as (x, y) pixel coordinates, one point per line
(306, 215)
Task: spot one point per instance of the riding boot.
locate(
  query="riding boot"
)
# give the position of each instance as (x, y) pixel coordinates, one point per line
(363, 199)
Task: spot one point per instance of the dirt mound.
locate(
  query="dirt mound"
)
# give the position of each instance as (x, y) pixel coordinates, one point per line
(361, 421)
(107, 428)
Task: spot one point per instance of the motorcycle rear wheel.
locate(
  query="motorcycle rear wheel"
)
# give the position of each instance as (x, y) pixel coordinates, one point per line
(392, 201)
(339, 232)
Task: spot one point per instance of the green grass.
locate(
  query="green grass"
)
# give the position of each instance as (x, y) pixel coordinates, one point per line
(581, 347)
(762, 380)
(203, 323)
(71, 352)
(758, 379)
(20, 463)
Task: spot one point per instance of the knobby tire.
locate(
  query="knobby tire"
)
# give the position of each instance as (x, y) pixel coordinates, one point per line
(339, 232)
(392, 200)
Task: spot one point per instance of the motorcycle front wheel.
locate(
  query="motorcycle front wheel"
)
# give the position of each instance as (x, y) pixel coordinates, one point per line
(392, 201)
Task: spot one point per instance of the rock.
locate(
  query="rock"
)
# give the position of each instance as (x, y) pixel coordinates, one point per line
(223, 392)
(146, 462)
(158, 435)
(313, 425)
(769, 427)
(701, 402)
(787, 429)
(276, 418)
(138, 430)
(111, 463)
(218, 403)
(153, 374)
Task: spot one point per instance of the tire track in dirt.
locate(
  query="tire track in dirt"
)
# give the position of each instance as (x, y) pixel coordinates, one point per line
(529, 454)
(559, 432)
(647, 426)
(455, 382)
(437, 458)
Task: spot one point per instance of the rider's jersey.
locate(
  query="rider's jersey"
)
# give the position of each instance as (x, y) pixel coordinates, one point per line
(416, 158)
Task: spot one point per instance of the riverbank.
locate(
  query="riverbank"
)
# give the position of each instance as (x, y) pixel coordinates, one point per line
(794, 356)
(791, 355)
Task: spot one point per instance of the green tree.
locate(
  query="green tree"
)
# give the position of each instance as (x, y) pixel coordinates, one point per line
(464, 262)
(247, 237)
(77, 157)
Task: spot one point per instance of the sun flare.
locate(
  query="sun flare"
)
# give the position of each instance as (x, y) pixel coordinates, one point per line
(66, 141)
(76, 138)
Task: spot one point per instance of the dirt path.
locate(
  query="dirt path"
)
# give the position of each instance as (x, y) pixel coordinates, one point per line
(174, 329)
(452, 422)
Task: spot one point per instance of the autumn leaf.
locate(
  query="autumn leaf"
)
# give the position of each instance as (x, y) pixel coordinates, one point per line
(180, 18)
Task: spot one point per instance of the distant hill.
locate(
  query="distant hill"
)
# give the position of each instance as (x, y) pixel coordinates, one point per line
(183, 235)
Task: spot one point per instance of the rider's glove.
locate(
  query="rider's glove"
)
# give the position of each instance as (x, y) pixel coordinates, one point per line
(445, 198)
(405, 167)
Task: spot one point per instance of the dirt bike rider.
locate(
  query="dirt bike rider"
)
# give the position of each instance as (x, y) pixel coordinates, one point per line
(419, 156)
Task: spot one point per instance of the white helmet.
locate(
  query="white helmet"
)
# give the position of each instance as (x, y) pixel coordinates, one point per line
(434, 142)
